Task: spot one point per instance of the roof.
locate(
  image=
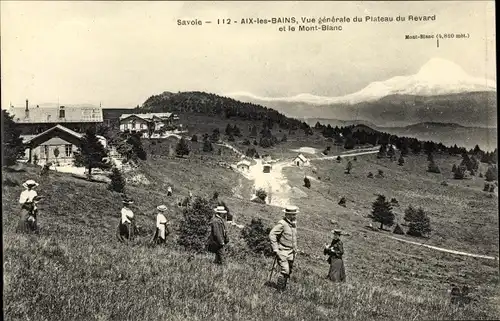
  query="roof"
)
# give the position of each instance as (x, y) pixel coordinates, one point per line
(51, 115)
(243, 162)
(147, 116)
(55, 128)
(301, 157)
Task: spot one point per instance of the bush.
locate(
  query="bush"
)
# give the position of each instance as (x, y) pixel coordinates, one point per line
(380, 173)
(207, 146)
(194, 138)
(194, 227)
(261, 195)
(459, 172)
(307, 182)
(370, 175)
(454, 168)
(246, 142)
(182, 148)
(401, 161)
(420, 224)
(117, 183)
(257, 237)
(339, 159)
(433, 168)
(491, 174)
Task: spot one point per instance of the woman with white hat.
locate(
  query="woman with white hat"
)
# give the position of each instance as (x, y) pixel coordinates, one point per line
(126, 227)
(335, 251)
(28, 200)
(218, 235)
(162, 229)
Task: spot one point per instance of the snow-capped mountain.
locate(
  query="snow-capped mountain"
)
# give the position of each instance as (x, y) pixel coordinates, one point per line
(437, 77)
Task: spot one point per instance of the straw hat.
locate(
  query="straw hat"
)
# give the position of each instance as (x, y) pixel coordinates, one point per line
(29, 183)
(339, 232)
(162, 208)
(220, 210)
(128, 201)
(291, 209)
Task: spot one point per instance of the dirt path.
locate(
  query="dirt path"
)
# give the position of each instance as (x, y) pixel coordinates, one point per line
(443, 249)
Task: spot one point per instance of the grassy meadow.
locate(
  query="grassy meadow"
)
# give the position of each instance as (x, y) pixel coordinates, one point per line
(77, 270)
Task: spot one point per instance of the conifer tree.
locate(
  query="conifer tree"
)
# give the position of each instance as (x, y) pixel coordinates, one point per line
(91, 152)
(12, 143)
(382, 212)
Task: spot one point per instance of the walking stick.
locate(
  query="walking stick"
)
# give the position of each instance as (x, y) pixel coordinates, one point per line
(272, 268)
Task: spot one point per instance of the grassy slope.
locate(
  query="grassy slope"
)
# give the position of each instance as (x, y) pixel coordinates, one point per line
(89, 275)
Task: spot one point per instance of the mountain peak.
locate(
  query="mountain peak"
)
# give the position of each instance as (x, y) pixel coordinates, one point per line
(441, 68)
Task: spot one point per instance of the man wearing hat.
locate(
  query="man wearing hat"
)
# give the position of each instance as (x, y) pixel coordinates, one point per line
(28, 199)
(283, 237)
(126, 227)
(162, 229)
(218, 235)
(335, 251)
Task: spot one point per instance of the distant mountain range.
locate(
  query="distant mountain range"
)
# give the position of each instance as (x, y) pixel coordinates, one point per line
(440, 92)
(448, 134)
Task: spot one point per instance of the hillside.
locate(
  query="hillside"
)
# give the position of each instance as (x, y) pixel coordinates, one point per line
(83, 272)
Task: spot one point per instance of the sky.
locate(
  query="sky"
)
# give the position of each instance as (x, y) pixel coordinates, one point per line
(121, 53)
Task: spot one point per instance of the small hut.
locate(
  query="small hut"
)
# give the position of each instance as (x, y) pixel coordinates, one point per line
(300, 160)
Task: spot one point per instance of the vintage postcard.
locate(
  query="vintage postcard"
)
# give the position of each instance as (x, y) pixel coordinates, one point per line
(249, 160)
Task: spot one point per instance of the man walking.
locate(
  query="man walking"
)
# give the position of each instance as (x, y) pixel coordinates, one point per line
(283, 237)
(218, 235)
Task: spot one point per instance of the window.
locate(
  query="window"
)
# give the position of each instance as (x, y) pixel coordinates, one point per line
(68, 150)
(61, 112)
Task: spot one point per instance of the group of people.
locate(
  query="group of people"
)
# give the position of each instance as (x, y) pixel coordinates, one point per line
(283, 236)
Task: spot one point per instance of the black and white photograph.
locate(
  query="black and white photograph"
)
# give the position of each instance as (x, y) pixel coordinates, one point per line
(249, 160)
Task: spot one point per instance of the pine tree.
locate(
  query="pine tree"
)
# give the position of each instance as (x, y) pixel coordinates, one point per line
(459, 172)
(182, 147)
(410, 214)
(257, 237)
(348, 168)
(229, 130)
(432, 167)
(193, 231)
(382, 212)
(253, 132)
(307, 182)
(339, 159)
(454, 168)
(12, 143)
(90, 153)
(207, 146)
(194, 138)
(491, 174)
(401, 160)
(215, 135)
(382, 151)
(236, 131)
(420, 224)
(466, 161)
(117, 183)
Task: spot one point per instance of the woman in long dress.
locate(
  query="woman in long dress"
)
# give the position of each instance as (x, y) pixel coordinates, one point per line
(162, 226)
(28, 200)
(335, 251)
(126, 227)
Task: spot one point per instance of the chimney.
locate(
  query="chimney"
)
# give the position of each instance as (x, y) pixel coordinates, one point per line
(26, 111)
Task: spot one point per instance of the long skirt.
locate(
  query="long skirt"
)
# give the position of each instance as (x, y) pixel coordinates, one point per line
(27, 221)
(337, 270)
(125, 231)
(157, 237)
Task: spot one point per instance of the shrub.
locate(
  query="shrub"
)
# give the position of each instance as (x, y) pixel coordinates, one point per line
(194, 231)
(370, 175)
(307, 182)
(380, 173)
(339, 159)
(117, 183)
(491, 174)
(382, 212)
(401, 161)
(194, 138)
(256, 237)
(182, 148)
(207, 146)
(459, 172)
(12, 143)
(433, 168)
(454, 168)
(420, 224)
(246, 142)
(261, 194)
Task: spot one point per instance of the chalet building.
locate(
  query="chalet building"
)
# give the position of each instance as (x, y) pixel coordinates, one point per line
(55, 145)
(144, 122)
(243, 165)
(32, 121)
(301, 160)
